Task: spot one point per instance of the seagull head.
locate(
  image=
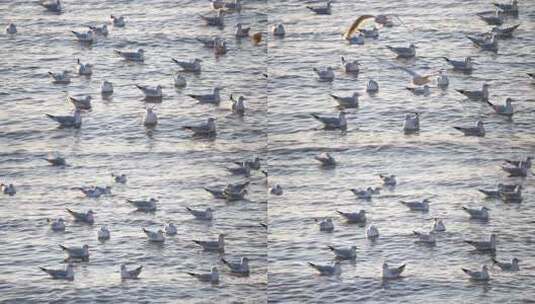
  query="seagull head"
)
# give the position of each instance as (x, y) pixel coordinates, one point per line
(515, 261)
(85, 247)
(90, 212)
(244, 260)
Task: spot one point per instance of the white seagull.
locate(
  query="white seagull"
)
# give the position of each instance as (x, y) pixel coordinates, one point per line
(326, 225)
(130, 274)
(325, 159)
(328, 270)
(344, 253)
(404, 52)
(212, 276)
(482, 275)
(61, 274)
(477, 130)
(392, 273)
(417, 205)
(132, 55)
(11, 29)
(87, 217)
(150, 119)
(144, 205)
(489, 245)
(213, 98)
(478, 214)
(412, 123)
(103, 234)
(347, 101)
(117, 21)
(156, 237)
(193, 66)
(241, 267)
(218, 245)
(207, 128)
(57, 224)
(354, 217)
(204, 215)
(60, 78)
(106, 88)
(332, 123)
(76, 253)
(325, 75)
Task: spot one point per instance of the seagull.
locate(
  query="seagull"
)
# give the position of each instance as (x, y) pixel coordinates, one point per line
(255, 164)
(425, 238)
(130, 274)
(156, 237)
(514, 196)
(180, 81)
(87, 37)
(117, 21)
(204, 129)
(151, 92)
(351, 67)
(216, 193)
(218, 245)
(77, 253)
(504, 32)
(425, 91)
(496, 193)
(52, 6)
(363, 194)
(489, 245)
(442, 80)
(276, 190)
(207, 42)
(325, 159)
(213, 98)
(373, 33)
(8, 189)
(242, 31)
(103, 233)
(326, 225)
(487, 44)
(321, 10)
(354, 217)
(513, 266)
(438, 225)
(132, 55)
(229, 6)
(417, 206)
(465, 65)
(61, 274)
(521, 170)
(328, 270)
(392, 273)
(84, 69)
(344, 253)
(325, 75)
(482, 275)
(242, 169)
(220, 46)
(404, 52)
(372, 87)
(482, 95)
(193, 66)
(212, 276)
(170, 229)
(94, 192)
(149, 118)
(216, 20)
(106, 88)
(204, 215)
(278, 30)
(119, 178)
(231, 196)
(74, 121)
(505, 110)
(102, 30)
(242, 267)
(372, 232)
(412, 123)
(81, 103)
(238, 187)
(511, 8)
(347, 101)
(418, 79)
(11, 29)
(144, 206)
(478, 130)
(388, 180)
(238, 106)
(60, 78)
(57, 224)
(491, 20)
(86, 217)
(332, 123)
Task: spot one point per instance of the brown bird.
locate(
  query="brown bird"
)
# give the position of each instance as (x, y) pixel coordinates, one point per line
(257, 38)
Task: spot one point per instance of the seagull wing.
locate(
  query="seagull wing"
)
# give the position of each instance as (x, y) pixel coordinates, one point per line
(351, 30)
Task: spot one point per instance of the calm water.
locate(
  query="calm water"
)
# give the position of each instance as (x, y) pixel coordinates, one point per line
(164, 163)
(438, 163)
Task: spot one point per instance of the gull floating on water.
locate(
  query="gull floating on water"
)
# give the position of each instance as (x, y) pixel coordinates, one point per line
(425, 238)
(325, 75)
(442, 80)
(485, 44)
(392, 273)
(170, 229)
(328, 270)
(216, 20)
(8, 189)
(52, 6)
(278, 30)
(60, 78)
(513, 266)
(56, 160)
(212, 276)
(84, 69)
(83, 103)
(144, 205)
(482, 275)
(193, 66)
(372, 87)
(57, 224)
(276, 190)
(76, 253)
(325, 159)
(364, 194)
(87, 37)
(86, 217)
(506, 32)
(344, 253)
(61, 274)
(132, 55)
(514, 196)
(238, 106)
(417, 205)
(501, 188)
(241, 169)
(149, 118)
(517, 171)
(388, 180)
(119, 178)
(354, 217)
(106, 88)
(234, 5)
(11, 29)
(103, 234)
(404, 52)
(476, 95)
(117, 21)
(130, 274)
(322, 9)
(351, 67)
(220, 46)
(241, 267)
(213, 98)
(465, 65)
(506, 110)
(100, 30)
(156, 237)
(180, 81)
(218, 245)
(478, 130)
(207, 128)
(204, 215)
(242, 31)
(94, 192)
(326, 225)
(332, 123)
(412, 123)
(151, 92)
(347, 101)
(438, 225)
(489, 245)
(372, 232)
(424, 90)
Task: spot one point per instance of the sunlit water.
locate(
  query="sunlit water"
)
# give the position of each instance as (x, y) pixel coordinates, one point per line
(438, 162)
(165, 162)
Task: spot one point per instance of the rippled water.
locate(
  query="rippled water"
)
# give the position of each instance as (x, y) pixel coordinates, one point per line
(165, 162)
(438, 162)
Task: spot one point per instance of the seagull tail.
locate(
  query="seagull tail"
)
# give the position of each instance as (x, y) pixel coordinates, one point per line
(139, 87)
(175, 61)
(331, 248)
(458, 129)
(51, 116)
(339, 212)
(44, 269)
(490, 104)
(192, 274)
(315, 116)
(188, 208)
(196, 242)
(334, 96)
(225, 261)
(312, 265)
(62, 247)
(465, 270)
(145, 230)
(70, 211)
(494, 261)
(446, 58)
